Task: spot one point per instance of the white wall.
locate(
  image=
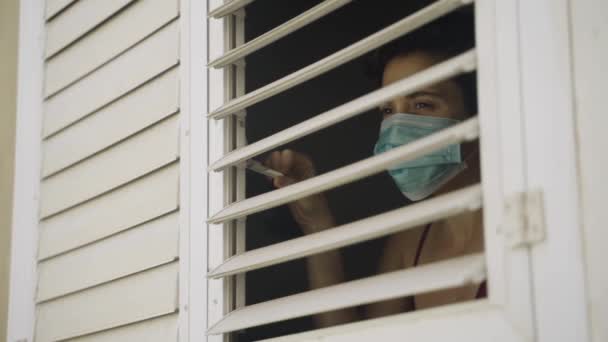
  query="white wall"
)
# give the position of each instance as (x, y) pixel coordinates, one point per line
(109, 200)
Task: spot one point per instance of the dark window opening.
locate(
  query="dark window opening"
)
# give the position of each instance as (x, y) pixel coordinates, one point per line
(330, 148)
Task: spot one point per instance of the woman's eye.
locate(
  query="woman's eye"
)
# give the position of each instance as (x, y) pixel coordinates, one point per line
(424, 105)
(386, 111)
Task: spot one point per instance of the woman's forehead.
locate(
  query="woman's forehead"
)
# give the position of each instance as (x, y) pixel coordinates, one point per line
(406, 65)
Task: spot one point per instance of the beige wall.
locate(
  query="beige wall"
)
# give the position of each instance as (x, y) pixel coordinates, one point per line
(8, 95)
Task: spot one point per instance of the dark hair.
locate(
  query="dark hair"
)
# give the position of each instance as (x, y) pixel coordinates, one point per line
(445, 37)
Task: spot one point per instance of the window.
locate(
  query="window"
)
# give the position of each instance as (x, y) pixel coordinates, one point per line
(540, 185)
(257, 106)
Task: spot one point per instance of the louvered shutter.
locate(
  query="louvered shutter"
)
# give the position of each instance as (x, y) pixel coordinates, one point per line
(480, 320)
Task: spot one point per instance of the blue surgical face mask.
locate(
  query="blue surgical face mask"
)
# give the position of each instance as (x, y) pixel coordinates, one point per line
(419, 178)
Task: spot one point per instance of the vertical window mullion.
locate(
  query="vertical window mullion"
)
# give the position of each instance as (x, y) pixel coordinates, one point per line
(234, 177)
(230, 174)
(220, 295)
(240, 141)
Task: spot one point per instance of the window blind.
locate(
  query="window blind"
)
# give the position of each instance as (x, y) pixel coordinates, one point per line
(450, 273)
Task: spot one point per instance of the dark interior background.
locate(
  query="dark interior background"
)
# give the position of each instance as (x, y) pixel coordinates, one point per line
(331, 148)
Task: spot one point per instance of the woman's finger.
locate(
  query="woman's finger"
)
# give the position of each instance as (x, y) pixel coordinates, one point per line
(283, 181)
(286, 162)
(302, 166)
(293, 165)
(276, 160)
(270, 163)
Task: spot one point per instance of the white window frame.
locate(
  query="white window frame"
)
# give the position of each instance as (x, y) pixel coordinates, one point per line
(28, 157)
(535, 101)
(590, 70)
(221, 237)
(193, 176)
(508, 133)
(548, 106)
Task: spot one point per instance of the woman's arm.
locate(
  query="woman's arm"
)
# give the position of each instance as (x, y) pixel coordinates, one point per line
(312, 215)
(326, 269)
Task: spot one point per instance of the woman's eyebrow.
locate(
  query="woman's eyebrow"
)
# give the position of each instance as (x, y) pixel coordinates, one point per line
(426, 92)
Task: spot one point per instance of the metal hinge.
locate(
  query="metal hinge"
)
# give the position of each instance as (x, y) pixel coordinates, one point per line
(524, 223)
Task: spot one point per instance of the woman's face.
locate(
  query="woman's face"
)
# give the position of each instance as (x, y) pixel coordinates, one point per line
(444, 99)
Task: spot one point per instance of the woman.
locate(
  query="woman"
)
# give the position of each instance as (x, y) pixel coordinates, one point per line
(405, 119)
